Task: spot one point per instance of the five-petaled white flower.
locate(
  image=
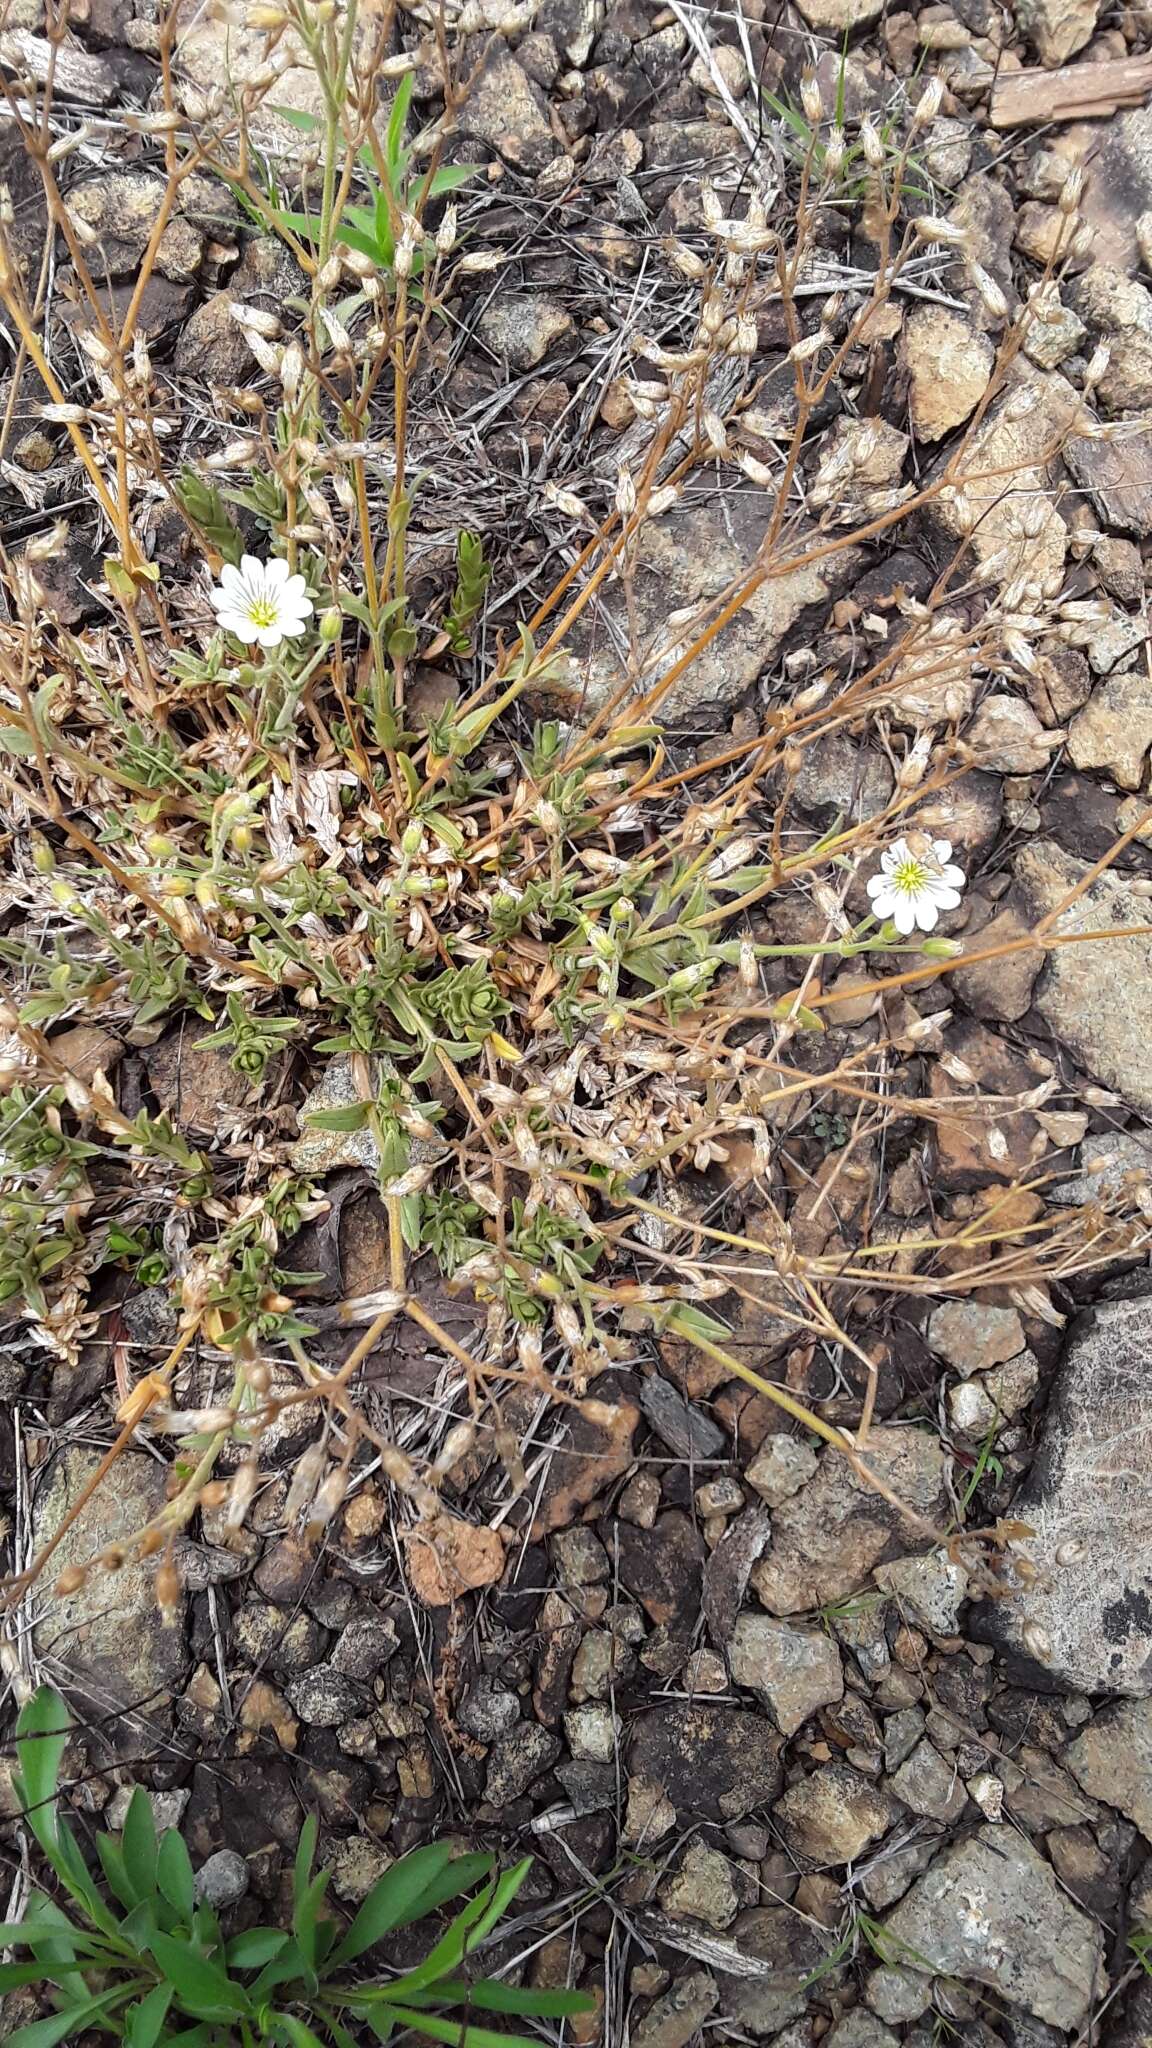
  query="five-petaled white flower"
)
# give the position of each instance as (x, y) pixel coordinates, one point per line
(915, 884)
(260, 602)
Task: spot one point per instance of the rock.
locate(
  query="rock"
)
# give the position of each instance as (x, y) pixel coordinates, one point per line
(990, 1912)
(109, 1633)
(928, 1589)
(1057, 28)
(685, 1428)
(972, 1335)
(948, 363)
(933, 684)
(593, 1732)
(489, 1710)
(1006, 508)
(359, 1863)
(223, 1880)
(324, 1698)
(648, 1815)
(683, 559)
(833, 1816)
(837, 17)
(860, 2029)
(1112, 1760)
(794, 1670)
(896, 1993)
(782, 1465)
(505, 108)
(447, 1557)
(1096, 997)
(580, 1557)
(999, 989)
(712, 1762)
(828, 1538)
(117, 213)
(318, 1151)
(1114, 730)
(74, 73)
(984, 209)
(838, 775)
(365, 1646)
(664, 1568)
(1119, 187)
(522, 326)
(1120, 567)
(218, 57)
(213, 345)
(516, 1760)
(902, 1731)
(792, 1950)
(702, 1888)
(1048, 236)
(594, 1450)
(676, 2018)
(1109, 642)
(1086, 1618)
(930, 1785)
(1054, 332)
(979, 1405)
(1118, 478)
(1106, 1159)
(889, 1876)
(1007, 736)
(972, 1151)
(1115, 307)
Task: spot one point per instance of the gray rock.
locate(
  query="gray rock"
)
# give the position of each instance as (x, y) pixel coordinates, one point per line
(677, 2017)
(1105, 1159)
(319, 1151)
(1114, 730)
(832, 1816)
(488, 1711)
(365, 1646)
(898, 1994)
(1118, 478)
(121, 208)
(109, 1634)
(505, 108)
(792, 1949)
(684, 559)
(1112, 1760)
(324, 1698)
(990, 1912)
(680, 1423)
(978, 1405)
(1097, 998)
(212, 345)
(895, 1867)
(794, 1670)
(782, 1465)
(839, 775)
(972, 1335)
(1057, 28)
(902, 1731)
(1004, 473)
(516, 1760)
(930, 1785)
(222, 1880)
(828, 1538)
(928, 1589)
(1085, 1617)
(593, 1731)
(860, 2029)
(522, 326)
(580, 1557)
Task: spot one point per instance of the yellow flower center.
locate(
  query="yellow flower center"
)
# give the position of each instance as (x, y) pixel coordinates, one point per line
(263, 611)
(910, 876)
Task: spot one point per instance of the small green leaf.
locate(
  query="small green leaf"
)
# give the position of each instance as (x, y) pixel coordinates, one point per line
(138, 1844)
(174, 1873)
(14, 740)
(199, 1984)
(63, 2026)
(394, 1900)
(353, 1118)
(144, 2023)
(252, 1950)
(299, 2035)
(458, 2034)
(41, 1735)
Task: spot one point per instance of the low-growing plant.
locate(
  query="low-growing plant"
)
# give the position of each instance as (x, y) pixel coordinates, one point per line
(138, 1955)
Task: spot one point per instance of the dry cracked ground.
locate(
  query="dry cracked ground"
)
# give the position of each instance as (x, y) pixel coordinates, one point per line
(788, 1778)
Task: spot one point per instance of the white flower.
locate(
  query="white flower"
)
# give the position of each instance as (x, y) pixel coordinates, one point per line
(260, 602)
(915, 885)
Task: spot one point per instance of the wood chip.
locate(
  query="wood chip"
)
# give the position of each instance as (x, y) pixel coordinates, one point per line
(1076, 92)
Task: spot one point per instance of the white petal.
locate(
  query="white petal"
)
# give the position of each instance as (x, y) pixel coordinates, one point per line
(231, 579)
(954, 877)
(275, 573)
(942, 848)
(238, 623)
(294, 590)
(894, 855)
(877, 884)
(270, 636)
(884, 904)
(903, 914)
(946, 899)
(290, 629)
(926, 913)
